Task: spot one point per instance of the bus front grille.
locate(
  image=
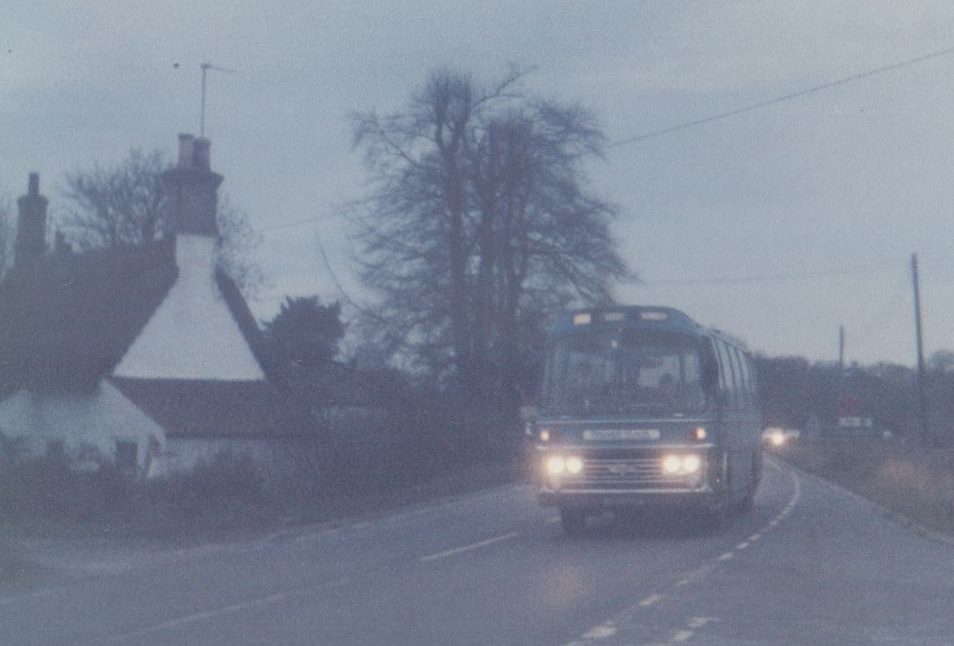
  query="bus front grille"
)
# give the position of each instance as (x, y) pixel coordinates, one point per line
(626, 473)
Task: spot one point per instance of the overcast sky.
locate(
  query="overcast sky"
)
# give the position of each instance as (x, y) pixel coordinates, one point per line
(778, 224)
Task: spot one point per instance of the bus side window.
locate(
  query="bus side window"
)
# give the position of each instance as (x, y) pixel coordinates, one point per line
(737, 376)
(754, 379)
(728, 377)
(743, 371)
(748, 372)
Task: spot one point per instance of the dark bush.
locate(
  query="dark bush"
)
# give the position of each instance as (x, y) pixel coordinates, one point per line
(222, 487)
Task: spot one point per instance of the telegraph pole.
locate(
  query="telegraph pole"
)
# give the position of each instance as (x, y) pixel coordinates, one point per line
(922, 375)
(841, 349)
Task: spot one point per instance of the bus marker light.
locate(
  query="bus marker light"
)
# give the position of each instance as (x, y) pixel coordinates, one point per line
(582, 318)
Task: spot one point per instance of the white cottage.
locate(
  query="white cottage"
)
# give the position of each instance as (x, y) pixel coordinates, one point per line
(146, 356)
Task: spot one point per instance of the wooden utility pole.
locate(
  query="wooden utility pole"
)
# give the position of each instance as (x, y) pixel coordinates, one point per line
(841, 349)
(922, 375)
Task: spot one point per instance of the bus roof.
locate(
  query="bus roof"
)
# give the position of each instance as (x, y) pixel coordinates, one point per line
(629, 316)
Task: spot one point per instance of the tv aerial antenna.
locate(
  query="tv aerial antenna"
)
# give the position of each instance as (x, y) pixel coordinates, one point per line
(205, 68)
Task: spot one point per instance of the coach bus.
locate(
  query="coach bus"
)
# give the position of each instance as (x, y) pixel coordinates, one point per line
(643, 407)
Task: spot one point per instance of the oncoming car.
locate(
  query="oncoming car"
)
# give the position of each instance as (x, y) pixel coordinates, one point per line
(778, 437)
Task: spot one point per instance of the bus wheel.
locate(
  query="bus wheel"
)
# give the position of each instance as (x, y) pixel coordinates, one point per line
(573, 521)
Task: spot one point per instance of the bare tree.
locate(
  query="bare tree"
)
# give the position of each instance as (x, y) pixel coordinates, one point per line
(238, 244)
(479, 218)
(123, 205)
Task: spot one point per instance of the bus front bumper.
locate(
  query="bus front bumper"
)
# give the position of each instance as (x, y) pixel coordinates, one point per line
(617, 499)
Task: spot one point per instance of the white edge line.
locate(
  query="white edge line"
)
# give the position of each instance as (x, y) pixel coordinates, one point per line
(197, 617)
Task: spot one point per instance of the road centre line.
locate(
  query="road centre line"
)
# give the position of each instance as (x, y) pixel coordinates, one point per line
(6, 601)
(628, 615)
(205, 615)
(603, 631)
(468, 548)
(650, 600)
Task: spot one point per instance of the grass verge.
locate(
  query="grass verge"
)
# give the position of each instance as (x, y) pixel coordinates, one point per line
(914, 482)
(215, 505)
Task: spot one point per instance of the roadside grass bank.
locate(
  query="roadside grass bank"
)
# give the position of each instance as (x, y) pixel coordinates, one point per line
(225, 500)
(12, 568)
(912, 481)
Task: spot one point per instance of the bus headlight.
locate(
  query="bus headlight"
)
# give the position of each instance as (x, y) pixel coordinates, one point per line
(558, 465)
(671, 465)
(691, 463)
(555, 465)
(681, 465)
(574, 464)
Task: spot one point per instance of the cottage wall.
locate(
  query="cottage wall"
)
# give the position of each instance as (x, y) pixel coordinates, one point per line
(90, 428)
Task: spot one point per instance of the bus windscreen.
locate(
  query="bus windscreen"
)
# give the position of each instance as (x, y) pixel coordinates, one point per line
(606, 372)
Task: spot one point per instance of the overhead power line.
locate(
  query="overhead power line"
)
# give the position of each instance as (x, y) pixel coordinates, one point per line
(766, 278)
(781, 99)
(289, 225)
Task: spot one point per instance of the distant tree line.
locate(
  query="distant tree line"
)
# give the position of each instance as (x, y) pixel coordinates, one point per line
(800, 394)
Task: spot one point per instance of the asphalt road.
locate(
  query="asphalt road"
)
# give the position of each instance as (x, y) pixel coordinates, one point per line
(811, 565)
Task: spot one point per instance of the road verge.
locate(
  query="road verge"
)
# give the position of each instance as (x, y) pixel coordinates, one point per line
(913, 482)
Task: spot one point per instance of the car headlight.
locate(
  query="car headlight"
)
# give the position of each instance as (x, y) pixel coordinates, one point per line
(775, 438)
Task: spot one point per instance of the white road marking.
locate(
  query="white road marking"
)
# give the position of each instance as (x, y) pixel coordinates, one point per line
(700, 622)
(651, 599)
(197, 617)
(604, 630)
(6, 601)
(468, 548)
(627, 616)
